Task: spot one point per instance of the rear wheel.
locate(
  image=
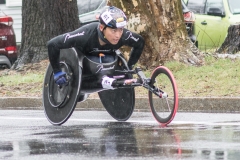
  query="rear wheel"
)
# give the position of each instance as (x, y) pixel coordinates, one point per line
(163, 99)
(59, 102)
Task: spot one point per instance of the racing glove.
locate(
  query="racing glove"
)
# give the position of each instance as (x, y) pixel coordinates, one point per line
(107, 82)
(60, 78)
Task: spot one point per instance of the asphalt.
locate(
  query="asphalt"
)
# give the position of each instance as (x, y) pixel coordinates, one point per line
(191, 104)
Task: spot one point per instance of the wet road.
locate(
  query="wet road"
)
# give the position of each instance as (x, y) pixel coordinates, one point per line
(95, 135)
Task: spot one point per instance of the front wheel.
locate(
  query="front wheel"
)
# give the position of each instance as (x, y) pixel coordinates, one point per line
(163, 98)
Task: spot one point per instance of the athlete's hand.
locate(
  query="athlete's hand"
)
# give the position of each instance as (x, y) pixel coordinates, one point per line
(60, 78)
(107, 82)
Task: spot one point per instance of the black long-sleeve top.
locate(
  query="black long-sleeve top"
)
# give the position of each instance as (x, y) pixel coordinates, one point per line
(86, 39)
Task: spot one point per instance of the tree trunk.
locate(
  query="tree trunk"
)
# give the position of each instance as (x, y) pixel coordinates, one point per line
(231, 43)
(42, 20)
(161, 25)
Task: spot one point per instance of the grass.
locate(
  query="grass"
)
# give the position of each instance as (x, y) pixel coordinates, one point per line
(216, 78)
(19, 79)
(21, 85)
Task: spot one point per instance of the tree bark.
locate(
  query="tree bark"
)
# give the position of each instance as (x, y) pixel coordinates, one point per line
(162, 26)
(43, 20)
(231, 43)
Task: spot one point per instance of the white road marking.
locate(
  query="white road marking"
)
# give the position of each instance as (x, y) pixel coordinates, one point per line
(132, 121)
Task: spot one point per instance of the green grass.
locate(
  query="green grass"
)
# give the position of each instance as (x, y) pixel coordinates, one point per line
(18, 79)
(18, 84)
(216, 78)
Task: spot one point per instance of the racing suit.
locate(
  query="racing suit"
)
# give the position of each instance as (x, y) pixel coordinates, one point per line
(86, 39)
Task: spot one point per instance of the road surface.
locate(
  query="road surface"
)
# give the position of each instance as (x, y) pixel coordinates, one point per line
(26, 134)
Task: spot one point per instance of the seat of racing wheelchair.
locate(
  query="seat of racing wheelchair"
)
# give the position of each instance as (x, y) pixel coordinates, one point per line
(118, 102)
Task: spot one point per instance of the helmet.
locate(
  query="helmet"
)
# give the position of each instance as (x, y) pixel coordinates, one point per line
(113, 17)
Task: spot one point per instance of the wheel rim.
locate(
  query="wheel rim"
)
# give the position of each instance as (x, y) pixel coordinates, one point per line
(58, 95)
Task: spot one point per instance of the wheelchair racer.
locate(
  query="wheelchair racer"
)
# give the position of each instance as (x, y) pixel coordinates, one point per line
(108, 33)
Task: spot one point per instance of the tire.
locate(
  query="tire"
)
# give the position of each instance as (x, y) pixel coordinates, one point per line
(163, 108)
(60, 102)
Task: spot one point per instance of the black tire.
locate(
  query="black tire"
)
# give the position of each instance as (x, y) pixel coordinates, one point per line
(163, 108)
(60, 102)
(119, 103)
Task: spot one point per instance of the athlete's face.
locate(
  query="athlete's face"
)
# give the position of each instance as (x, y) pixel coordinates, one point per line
(112, 35)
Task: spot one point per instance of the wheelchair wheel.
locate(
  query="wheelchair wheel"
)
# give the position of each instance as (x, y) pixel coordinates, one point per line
(164, 105)
(120, 102)
(60, 101)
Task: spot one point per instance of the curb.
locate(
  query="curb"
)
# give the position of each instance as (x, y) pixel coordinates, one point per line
(194, 104)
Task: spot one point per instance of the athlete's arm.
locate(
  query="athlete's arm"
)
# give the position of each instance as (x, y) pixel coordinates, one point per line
(77, 38)
(136, 42)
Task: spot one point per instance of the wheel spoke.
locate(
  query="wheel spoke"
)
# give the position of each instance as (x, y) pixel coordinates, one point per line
(168, 105)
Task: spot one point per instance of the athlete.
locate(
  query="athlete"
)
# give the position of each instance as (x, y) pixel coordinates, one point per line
(108, 33)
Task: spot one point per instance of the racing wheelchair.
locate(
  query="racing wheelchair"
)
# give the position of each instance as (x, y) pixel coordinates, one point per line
(84, 77)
